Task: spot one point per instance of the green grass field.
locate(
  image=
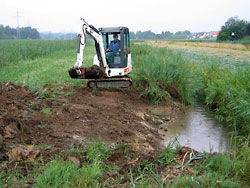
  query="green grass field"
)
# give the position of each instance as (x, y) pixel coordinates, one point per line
(223, 86)
(15, 51)
(49, 64)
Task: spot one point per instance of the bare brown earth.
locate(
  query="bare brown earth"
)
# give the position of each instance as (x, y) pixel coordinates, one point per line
(78, 115)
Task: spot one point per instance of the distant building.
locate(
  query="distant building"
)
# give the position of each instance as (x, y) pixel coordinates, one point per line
(201, 35)
(205, 35)
(197, 35)
(214, 34)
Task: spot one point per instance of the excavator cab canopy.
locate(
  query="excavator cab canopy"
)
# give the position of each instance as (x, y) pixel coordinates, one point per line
(120, 59)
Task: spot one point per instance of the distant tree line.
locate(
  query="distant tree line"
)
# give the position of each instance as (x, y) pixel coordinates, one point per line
(7, 32)
(163, 35)
(234, 29)
(133, 35)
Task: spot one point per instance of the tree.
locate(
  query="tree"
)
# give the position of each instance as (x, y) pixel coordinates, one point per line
(29, 33)
(234, 29)
(7, 32)
(248, 29)
(145, 35)
(168, 35)
(132, 35)
(25, 33)
(182, 34)
(163, 35)
(2, 33)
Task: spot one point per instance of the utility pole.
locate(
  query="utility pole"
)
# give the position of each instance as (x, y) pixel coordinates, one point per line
(18, 28)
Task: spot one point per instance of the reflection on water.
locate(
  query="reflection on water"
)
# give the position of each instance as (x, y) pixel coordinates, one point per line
(198, 130)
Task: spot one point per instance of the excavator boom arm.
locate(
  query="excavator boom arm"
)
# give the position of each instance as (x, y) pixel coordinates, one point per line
(84, 29)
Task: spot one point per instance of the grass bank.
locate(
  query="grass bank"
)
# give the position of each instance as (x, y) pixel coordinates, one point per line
(97, 165)
(222, 87)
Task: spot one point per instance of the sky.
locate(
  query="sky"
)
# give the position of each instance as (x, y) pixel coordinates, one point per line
(154, 15)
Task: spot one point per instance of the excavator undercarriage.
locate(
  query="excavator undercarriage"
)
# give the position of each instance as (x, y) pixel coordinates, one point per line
(96, 78)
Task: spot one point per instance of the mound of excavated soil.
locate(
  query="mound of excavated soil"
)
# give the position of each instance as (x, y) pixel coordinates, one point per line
(75, 117)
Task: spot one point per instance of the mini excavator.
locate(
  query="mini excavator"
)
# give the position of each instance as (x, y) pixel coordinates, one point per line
(109, 69)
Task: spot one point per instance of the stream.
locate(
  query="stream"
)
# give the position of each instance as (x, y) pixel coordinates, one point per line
(199, 130)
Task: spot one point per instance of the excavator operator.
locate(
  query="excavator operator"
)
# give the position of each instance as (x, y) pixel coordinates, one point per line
(113, 49)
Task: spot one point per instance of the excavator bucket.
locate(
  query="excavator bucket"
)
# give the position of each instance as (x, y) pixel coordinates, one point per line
(93, 72)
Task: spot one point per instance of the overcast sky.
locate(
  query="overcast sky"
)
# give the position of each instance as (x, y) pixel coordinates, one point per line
(154, 15)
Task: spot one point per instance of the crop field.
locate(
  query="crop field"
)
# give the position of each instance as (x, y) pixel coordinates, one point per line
(212, 44)
(236, 52)
(56, 132)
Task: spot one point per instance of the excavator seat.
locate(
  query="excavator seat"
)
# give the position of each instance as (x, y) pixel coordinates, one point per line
(117, 61)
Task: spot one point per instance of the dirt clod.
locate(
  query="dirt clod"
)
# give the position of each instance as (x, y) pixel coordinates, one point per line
(75, 161)
(9, 132)
(28, 153)
(1, 139)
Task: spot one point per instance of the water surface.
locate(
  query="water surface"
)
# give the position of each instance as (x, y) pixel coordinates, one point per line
(198, 130)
